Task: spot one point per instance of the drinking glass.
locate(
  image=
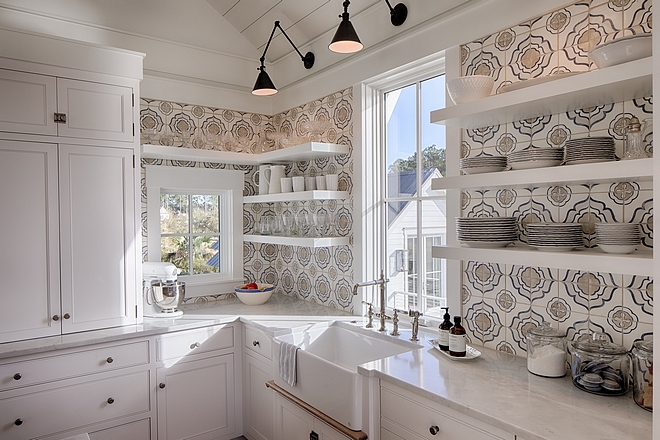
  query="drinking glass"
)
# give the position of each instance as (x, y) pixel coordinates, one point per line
(322, 222)
(303, 225)
(288, 224)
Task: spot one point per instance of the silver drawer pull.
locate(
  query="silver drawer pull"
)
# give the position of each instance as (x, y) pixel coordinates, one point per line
(109, 360)
(17, 376)
(434, 430)
(255, 343)
(111, 400)
(194, 346)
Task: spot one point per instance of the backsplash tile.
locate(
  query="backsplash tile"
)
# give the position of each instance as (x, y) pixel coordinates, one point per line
(501, 302)
(322, 275)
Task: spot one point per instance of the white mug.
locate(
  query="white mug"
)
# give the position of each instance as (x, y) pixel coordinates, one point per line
(276, 174)
(298, 183)
(310, 183)
(320, 183)
(332, 182)
(287, 184)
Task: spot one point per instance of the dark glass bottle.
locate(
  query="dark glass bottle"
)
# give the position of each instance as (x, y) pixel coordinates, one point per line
(443, 331)
(457, 339)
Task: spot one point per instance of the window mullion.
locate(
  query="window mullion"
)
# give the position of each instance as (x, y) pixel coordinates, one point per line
(421, 278)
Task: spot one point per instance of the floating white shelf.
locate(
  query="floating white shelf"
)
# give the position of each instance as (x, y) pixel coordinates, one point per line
(638, 169)
(613, 84)
(307, 151)
(592, 260)
(313, 242)
(297, 196)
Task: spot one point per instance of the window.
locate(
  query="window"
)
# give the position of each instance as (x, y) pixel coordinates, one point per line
(194, 220)
(410, 153)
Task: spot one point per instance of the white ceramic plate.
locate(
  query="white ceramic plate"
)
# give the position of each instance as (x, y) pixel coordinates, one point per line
(481, 170)
(617, 248)
(529, 164)
(470, 352)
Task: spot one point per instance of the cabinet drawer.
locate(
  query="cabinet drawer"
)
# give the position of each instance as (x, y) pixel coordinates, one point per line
(258, 342)
(203, 340)
(70, 405)
(64, 366)
(399, 410)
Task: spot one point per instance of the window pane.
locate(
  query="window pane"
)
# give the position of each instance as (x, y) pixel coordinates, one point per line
(433, 135)
(173, 214)
(205, 214)
(435, 292)
(205, 254)
(402, 226)
(401, 141)
(175, 250)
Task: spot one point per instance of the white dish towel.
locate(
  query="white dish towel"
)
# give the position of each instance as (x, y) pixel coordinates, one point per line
(289, 362)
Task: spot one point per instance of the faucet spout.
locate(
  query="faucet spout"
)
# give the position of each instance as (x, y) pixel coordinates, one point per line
(379, 282)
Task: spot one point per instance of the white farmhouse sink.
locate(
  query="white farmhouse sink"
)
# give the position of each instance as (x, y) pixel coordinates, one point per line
(328, 362)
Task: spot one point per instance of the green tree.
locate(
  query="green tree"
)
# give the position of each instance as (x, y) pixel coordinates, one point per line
(432, 157)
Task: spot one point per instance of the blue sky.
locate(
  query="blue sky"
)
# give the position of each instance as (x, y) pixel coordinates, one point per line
(401, 134)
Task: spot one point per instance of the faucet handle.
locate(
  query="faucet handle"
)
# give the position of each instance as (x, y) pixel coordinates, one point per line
(405, 312)
(415, 313)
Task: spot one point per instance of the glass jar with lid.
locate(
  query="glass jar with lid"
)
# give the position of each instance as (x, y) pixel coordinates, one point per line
(546, 351)
(600, 366)
(642, 359)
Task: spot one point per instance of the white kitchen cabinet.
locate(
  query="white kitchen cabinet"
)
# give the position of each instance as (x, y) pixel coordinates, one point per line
(69, 260)
(97, 237)
(43, 104)
(198, 393)
(258, 401)
(29, 239)
(106, 386)
(293, 422)
(409, 416)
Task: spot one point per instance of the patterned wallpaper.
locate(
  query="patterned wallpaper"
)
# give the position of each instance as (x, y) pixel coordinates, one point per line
(321, 275)
(501, 302)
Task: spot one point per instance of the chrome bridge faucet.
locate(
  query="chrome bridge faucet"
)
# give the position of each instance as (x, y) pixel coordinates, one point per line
(379, 282)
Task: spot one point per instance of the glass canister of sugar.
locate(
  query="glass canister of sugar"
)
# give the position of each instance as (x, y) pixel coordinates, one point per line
(546, 351)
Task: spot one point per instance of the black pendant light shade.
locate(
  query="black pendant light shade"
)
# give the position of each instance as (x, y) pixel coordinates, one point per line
(346, 39)
(264, 85)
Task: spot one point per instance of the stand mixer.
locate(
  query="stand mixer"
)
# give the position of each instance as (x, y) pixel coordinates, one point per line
(162, 293)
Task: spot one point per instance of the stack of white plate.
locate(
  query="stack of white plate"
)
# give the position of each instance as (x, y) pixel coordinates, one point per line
(554, 236)
(535, 158)
(590, 150)
(486, 231)
(617, 238)
(483, 164)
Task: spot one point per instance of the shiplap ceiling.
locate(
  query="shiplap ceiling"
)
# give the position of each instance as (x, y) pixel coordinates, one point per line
(304, 21)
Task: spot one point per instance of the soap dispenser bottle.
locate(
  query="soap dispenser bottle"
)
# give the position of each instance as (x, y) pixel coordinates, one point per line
(457, 339)
(443, 331)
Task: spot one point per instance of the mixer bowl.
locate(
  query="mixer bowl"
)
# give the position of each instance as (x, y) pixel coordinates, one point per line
(166, 295)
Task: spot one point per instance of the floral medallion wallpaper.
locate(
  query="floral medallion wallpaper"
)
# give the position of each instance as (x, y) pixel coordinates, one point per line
(501, 302)
(322, 275)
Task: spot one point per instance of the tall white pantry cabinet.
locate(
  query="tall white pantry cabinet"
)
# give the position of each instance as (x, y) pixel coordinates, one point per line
(69, 143)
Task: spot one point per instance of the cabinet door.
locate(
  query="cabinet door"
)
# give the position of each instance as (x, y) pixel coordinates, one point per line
(97, 236)
(258, 400)
(28, 104)
(30, 291)
(138, 430)
(95, 111)
(196, 399)
(291, 422)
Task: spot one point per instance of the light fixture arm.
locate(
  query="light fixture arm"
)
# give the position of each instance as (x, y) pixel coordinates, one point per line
(307, 59)
(398, 14)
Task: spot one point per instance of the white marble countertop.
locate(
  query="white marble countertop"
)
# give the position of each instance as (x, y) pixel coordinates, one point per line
(495, 388)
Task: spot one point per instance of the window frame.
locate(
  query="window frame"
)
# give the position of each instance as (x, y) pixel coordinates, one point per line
(372, 236)
(201, 181)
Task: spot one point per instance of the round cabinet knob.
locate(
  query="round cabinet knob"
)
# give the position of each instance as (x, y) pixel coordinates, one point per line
(111, 400)
(255, 343)
(66, 316)
(161, 385)
(434, 430)
(56, 318)
(109, 360)
(17, 376)
(194, 346)
(18, 422)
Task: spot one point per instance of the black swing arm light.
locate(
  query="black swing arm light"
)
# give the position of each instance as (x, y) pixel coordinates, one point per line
(264, 86)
